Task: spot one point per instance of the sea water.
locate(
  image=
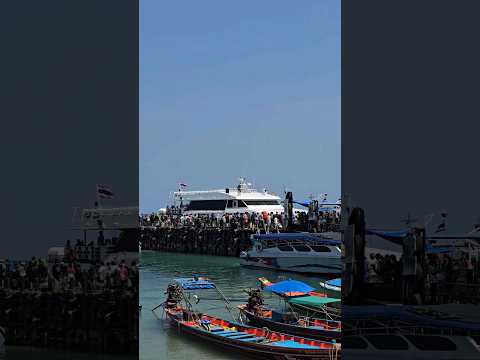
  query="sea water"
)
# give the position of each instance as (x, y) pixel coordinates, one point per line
(158, 341)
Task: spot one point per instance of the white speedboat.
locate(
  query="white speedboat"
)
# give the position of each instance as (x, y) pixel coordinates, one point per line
(296, 252)
(2, 336)
(239, 199)
(410, 346)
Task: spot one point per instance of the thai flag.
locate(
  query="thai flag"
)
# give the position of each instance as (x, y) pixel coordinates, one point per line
(182, 185)
(441, 227)
(104, 192)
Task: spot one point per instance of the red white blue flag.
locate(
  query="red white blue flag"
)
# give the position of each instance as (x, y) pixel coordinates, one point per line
(104, 192)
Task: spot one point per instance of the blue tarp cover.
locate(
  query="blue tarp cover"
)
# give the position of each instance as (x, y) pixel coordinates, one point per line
(194, 284)
(287, 286)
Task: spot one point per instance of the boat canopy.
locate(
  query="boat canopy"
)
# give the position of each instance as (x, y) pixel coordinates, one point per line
(334, 282)
(429, 249)
(288, 287)
(297, 236)
(315, 301)
(389, 235)
(196, 283)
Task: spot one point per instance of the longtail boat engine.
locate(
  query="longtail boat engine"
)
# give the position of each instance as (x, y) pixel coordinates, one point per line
(255, 300)
(174, 296)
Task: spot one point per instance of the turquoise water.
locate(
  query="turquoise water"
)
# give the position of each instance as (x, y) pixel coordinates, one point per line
(157, 340)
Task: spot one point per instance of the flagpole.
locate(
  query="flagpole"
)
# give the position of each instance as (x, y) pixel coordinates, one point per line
(99, 205)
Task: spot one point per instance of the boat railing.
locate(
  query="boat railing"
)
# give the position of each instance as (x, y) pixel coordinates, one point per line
(271, 243)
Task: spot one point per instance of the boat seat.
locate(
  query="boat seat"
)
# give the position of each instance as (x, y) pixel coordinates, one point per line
(240, 336)
(239, 333)
(225, 333)
(292, 344)
(252, 339)
(216, 329)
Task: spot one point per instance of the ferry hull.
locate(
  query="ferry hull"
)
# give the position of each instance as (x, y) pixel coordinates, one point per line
(300, 265)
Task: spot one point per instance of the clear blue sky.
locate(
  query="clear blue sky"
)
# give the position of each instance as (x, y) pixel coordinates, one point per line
(231, 89)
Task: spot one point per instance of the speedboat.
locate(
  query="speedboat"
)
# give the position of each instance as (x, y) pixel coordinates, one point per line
(410, 346)
(2, 336)
(295, 252)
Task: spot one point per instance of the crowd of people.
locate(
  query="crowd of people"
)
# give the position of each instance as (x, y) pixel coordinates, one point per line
(68, 275)
(258, 222)
(442, 272)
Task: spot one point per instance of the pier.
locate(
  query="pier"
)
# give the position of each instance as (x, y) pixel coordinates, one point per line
(227, 234)
(95, 321)
(204, 241)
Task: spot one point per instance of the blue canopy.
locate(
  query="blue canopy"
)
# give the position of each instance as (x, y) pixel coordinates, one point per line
(303, 203)
(194, 283)
(289, 286)
(323, 208)
(297, 236)
(429, 249)
(393, 236)
(389, 235)
(334, 282)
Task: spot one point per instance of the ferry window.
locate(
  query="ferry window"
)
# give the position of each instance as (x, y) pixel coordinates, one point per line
(241, 203)
(353, 342)
(303, 248)
(387, 342)
(285, 248)
(261, 202)
(199, 205)
(432, 343)
(235, 203)
(320, 248)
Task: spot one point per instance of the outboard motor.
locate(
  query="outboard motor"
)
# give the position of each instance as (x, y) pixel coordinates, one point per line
(174, 296)
(255, 300)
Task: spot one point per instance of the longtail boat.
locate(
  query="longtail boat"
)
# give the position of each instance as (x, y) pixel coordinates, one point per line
(237, 337)
(290, 323)
(303, 297)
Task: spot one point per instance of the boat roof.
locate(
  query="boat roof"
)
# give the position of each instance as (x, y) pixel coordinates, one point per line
(313, 300)
(289, 286)
(198, 283)
(297, 236)
(334, 282)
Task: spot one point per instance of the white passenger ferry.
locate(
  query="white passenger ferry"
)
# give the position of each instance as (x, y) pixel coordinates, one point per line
(239, 199)
(295, 252)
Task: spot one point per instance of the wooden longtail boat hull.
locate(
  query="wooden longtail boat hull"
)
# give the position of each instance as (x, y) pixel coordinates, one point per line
(256, 349)
(307, 332)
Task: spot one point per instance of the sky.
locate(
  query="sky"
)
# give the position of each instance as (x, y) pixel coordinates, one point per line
(73, 117)
(230, 89)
